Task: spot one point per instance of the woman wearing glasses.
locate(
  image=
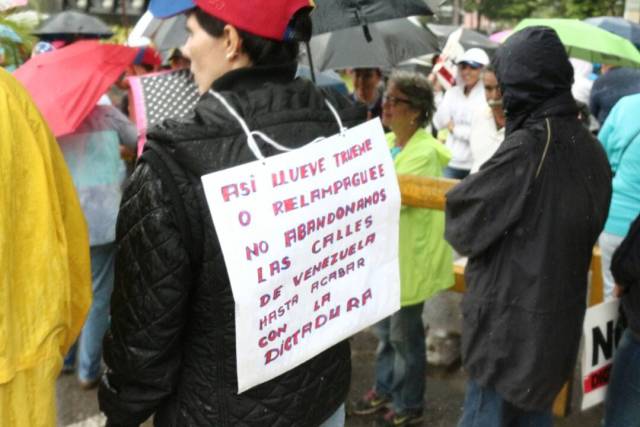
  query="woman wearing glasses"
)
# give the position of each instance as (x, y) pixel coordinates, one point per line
(425, 258)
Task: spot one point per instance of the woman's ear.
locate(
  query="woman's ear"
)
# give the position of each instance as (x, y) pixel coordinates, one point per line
(232, 42)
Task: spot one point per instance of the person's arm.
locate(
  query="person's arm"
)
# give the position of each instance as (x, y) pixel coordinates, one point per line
(625, 263)
(485, 205)
(442, 118)
(127, 131)
(143, 348)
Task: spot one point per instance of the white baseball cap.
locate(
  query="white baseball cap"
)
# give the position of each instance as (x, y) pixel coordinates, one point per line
(475, 57)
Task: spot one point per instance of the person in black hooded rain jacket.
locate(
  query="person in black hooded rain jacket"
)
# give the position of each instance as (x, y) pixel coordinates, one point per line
(528, 221)
(171, 348)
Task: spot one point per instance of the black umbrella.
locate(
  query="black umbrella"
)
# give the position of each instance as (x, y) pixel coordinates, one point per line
(392, 42)
(331, 15)
(467, 38)
(71, 24)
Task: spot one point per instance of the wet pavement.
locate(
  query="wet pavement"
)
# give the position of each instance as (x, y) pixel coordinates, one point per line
(444, 397)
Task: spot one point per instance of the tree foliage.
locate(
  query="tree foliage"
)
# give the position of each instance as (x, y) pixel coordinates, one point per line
(514, 10)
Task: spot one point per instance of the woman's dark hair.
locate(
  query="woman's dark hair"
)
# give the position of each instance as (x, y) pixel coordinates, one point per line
(263, 51)
(418, 91)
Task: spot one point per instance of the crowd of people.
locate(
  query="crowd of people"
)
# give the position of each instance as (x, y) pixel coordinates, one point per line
(102, 281)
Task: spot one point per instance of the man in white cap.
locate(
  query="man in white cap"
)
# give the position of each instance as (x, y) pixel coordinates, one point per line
(456, 110)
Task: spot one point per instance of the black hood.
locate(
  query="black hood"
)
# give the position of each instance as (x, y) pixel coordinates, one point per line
(532, 67)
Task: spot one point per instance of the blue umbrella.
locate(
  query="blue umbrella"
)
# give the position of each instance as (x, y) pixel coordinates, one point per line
(619, 26)
(9, 34)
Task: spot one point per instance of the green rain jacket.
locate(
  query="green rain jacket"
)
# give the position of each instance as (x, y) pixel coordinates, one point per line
(426, 264)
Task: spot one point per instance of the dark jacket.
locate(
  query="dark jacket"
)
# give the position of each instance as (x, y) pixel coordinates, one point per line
(171, 346)
(625, 267)
(528, 221)
(611, 87)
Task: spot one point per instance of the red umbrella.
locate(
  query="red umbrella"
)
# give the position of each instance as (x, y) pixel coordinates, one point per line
(66, 84)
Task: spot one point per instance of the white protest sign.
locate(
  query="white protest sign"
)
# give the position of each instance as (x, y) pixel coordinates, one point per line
(310, 241)
(602, 332)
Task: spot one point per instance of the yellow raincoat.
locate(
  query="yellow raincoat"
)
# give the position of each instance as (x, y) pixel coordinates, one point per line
(45, 279)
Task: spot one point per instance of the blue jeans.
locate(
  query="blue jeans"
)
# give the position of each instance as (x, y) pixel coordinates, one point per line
(88, 348)
(484, 407)
(401, 358)
(455, 173)
(337, 419)
(622, 405)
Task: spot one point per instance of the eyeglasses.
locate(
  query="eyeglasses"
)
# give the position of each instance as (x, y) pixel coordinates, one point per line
(394, 101)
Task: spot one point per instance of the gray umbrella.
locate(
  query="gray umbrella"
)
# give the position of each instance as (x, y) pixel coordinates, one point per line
(71, 23)
(331, 15)
(617, 25)
(468, 38)
(168, 33)
(392, 42)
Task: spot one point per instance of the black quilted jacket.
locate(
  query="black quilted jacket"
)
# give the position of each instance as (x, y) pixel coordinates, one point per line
(171, 347)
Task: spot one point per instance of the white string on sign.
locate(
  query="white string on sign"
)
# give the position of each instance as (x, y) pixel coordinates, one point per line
(251, 141)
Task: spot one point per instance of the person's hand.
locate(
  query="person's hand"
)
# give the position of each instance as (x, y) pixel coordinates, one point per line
(450, 126)
(618, 291)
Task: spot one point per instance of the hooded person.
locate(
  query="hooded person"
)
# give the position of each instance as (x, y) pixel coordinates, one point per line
(528, 220)
(45, 286)
(171, 348)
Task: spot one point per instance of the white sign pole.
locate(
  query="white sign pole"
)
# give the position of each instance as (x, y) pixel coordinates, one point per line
(310, 241)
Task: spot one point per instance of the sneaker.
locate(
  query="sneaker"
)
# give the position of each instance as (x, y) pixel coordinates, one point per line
(371, 402)
(409, 417)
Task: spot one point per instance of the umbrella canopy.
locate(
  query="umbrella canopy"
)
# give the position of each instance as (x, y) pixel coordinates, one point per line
(466, 37)
(166, 34)
(160, 96)
(392, 42)
(169, 33)
(331, 15)
(500, 36)
(588, 42)
(617, 25)
(71, 23)
(67, 83)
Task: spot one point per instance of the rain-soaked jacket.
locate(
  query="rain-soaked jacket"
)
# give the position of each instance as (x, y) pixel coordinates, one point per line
(528, 221)
(171, 348)
(45, 285)
(426, 264)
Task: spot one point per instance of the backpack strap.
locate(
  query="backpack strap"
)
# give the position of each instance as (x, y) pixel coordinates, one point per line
(167, 168)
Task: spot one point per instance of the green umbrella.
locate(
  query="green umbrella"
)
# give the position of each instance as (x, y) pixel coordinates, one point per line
(593, 44)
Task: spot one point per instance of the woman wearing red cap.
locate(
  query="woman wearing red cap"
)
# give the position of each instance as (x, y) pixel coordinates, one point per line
(171, 348)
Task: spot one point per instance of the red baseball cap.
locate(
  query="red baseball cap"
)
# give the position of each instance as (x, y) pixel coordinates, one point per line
(265, 18)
